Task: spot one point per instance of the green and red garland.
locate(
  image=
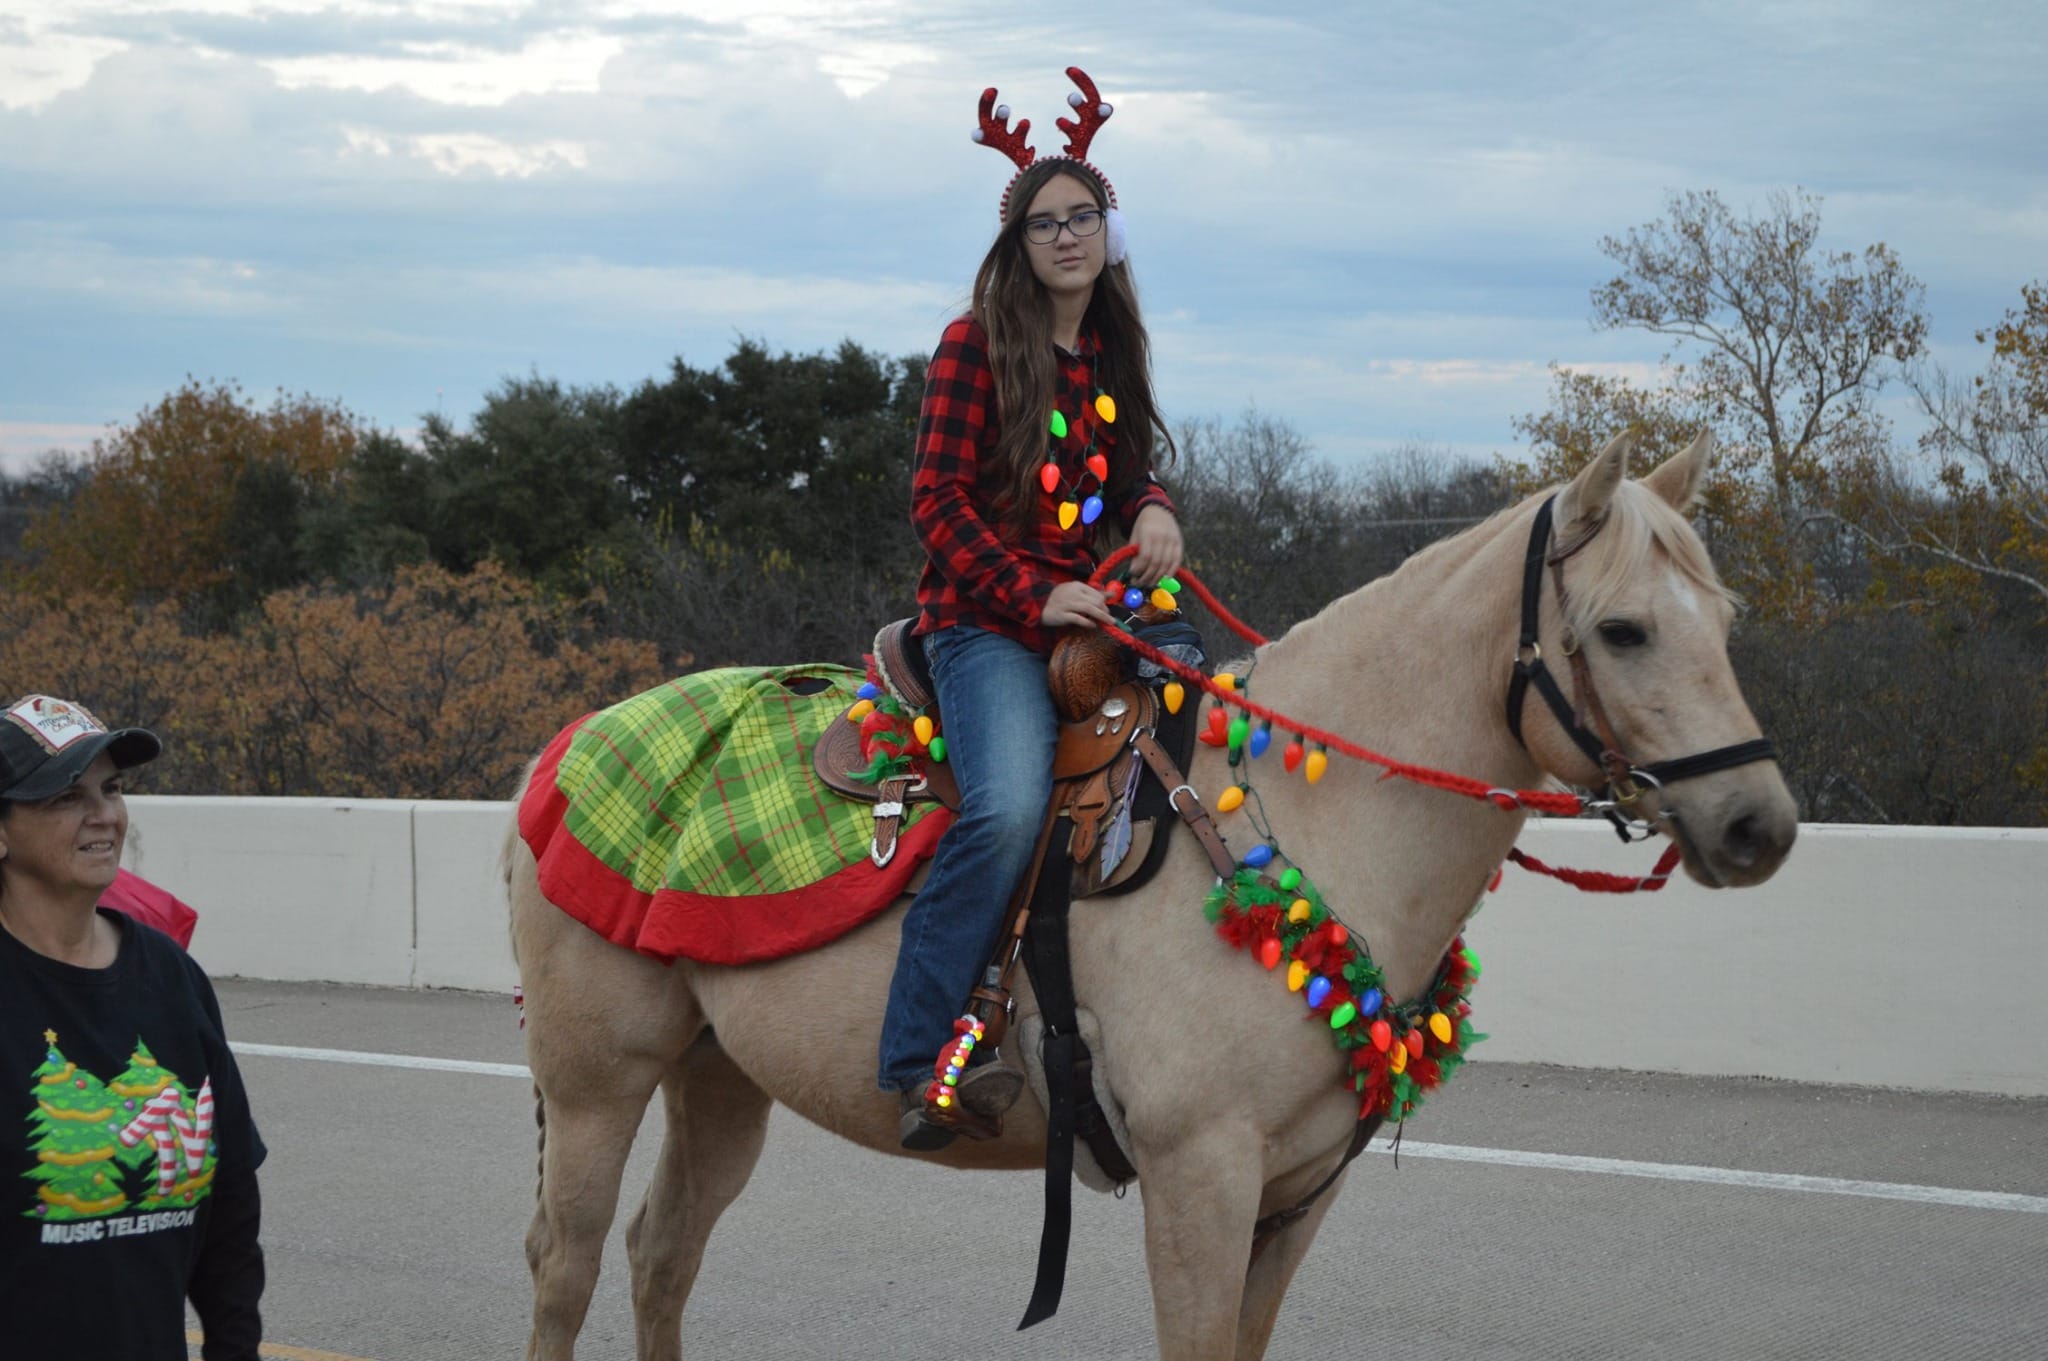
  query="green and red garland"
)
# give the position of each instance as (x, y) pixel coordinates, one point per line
(1394, 1053)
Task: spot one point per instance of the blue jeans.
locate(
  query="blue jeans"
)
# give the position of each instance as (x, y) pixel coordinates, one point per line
(1000, 732)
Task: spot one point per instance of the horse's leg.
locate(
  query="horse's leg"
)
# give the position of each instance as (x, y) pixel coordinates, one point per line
(1201, 1198)
(602, 1027)
(589, 1122)
(717, 1120)
(1265, 1285)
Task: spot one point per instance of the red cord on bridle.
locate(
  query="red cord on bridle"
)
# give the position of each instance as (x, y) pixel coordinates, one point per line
(1555, 802)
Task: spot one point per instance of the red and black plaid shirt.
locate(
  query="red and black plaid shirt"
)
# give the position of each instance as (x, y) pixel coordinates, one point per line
(979, 569)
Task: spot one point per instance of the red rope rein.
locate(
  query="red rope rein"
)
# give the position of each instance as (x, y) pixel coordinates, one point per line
(1554, 802)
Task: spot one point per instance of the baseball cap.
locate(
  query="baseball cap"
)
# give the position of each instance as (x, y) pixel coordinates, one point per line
(46, 744)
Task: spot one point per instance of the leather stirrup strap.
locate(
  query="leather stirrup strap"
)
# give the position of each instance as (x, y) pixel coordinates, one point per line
(1052, 980)
(1187, 803)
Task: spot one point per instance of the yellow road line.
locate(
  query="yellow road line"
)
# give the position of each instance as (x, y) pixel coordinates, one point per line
(284, 1353)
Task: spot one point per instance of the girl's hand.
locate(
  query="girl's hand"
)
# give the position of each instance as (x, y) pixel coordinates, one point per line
(1156, 536)
(1076, 604)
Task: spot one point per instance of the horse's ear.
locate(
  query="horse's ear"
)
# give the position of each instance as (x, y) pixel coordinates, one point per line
(1585, 501)
(1678, 479)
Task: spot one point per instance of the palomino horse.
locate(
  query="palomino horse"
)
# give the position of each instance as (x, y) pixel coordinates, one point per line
(1227, 1122)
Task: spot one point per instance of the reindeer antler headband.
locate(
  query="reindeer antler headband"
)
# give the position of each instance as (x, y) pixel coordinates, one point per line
(1090, 114)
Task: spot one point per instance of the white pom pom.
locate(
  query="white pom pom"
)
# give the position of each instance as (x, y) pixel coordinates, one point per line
(975, 135)
(1002, 113)
(1074, 99)
(1118, 246)
(1103, 110)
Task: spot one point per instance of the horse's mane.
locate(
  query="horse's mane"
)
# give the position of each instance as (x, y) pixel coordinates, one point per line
(1638, 522)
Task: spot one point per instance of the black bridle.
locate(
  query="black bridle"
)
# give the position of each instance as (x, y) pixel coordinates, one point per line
(1624, 777)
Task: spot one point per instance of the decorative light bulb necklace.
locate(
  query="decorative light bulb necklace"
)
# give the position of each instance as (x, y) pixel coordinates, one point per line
(1073, 506)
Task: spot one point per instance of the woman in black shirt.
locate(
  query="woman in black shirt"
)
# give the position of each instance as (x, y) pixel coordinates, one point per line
(127, 1153)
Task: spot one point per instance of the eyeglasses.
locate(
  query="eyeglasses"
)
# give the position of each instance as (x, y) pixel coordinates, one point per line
(1043, 231)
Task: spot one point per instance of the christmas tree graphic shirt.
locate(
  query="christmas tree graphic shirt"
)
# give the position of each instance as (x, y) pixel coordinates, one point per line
(120, 1108)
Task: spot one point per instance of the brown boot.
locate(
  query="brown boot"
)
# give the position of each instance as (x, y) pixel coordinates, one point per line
(976, 1110)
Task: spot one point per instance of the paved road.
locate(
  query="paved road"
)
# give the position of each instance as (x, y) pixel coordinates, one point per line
(397, 1199)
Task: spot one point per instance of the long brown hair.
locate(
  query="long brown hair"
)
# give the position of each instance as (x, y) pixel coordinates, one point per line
(1013, 309)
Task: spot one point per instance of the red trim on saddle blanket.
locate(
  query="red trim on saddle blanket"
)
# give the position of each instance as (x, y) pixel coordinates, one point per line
(669, 925)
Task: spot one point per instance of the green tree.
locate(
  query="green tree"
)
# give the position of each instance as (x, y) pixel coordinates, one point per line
(533, 482)
(806, 454)
(72, 1132)
(141, 1080)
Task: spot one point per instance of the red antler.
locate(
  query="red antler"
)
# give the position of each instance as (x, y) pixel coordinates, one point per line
(1087, 103)
(995, 130)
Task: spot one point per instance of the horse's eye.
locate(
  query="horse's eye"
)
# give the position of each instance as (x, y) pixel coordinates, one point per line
(1621, 633)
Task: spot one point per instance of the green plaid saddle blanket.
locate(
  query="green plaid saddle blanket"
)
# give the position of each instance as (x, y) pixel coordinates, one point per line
(674, 821)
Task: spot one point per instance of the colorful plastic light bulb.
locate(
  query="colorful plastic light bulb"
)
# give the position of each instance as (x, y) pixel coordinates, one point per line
(1318, 992)
(1258, 857)
(1230, 800)
(1290, 879)
(1091, 510)
(1262, 737)
(1058, 424)
(868, 690)
(1174, 694)
(1318, 762)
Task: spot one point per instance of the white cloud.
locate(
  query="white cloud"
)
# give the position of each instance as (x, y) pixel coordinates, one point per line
(39, 66)
(460, 153)
(455, 73)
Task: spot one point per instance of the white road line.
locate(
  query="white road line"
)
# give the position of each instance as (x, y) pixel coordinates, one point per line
(1501, 1157)
(1728, 1176)
(289, 1051)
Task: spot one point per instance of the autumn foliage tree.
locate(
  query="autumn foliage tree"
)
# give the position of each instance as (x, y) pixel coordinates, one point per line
(437, 685)
(171, 499)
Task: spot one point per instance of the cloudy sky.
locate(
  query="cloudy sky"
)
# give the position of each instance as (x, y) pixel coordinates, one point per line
(1378, 219)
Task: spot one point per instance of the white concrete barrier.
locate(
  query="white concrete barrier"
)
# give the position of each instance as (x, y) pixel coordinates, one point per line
(1900, 957)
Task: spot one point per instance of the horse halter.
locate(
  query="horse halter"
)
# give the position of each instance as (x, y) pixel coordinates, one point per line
(1624, 777)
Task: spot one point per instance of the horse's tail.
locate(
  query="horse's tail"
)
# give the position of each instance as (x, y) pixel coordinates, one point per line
(506, 850)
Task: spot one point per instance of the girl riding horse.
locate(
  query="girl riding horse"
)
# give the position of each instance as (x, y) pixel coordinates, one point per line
(1038, 420)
